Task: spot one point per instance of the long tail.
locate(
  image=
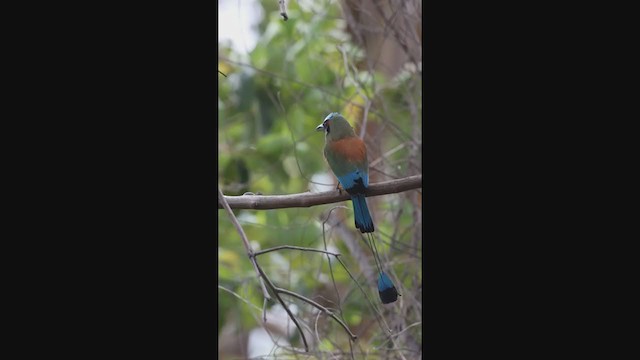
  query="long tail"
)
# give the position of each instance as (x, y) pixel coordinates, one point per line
(361, 214)
(386, 289)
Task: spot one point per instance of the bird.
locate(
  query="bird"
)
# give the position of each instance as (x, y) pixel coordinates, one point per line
(346, 154)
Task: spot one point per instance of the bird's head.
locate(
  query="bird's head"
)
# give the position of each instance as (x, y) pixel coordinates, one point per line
(335, 126)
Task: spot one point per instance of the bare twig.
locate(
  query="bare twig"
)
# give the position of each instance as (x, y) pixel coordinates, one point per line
(277, 290)
(286, 308)
(382, 322)
(293, 248)
(319, 307)
(283, 9)
(222, 73)
(351, 242)
(324, 241)
(407, 328)
(363, 127)
(387, 154)
(390, 23)
(316, 328)
(245, 241)
(360, 90)
(239, 297)
(308, 199)
(293, 138)
(264, 310)
(393, 127)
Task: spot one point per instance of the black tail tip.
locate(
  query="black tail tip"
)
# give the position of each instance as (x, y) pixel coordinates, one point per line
(386, 289)
(389, 295)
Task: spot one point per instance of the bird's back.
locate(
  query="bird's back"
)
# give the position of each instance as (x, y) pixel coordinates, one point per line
(347, 157)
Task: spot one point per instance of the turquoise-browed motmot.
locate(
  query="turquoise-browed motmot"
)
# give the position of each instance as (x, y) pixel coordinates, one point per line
(346, 154)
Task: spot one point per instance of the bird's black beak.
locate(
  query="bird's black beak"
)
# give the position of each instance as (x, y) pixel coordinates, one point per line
(320, 127)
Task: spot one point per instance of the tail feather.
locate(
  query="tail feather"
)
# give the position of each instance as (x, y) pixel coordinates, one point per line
(361, 214)
(386, 289)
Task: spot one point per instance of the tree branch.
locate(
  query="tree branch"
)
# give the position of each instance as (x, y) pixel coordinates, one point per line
(245, 241)
(308, 199)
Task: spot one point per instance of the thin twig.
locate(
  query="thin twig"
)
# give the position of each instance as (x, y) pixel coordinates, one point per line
(277, 290)
(393, 127)
(293, 248)
(363, 127)
(367, 102)
(320, 307)
(324, 241)
(283, 9)
(308, 199)
(222, 73)
(245, 241)
(264, 310)
(375, 309)
(407, 328)
(238, 296)
(387, 154)
(293, 138)
(286, 308)
(316, 328)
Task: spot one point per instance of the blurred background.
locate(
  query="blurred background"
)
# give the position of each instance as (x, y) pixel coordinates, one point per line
(363, 59)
